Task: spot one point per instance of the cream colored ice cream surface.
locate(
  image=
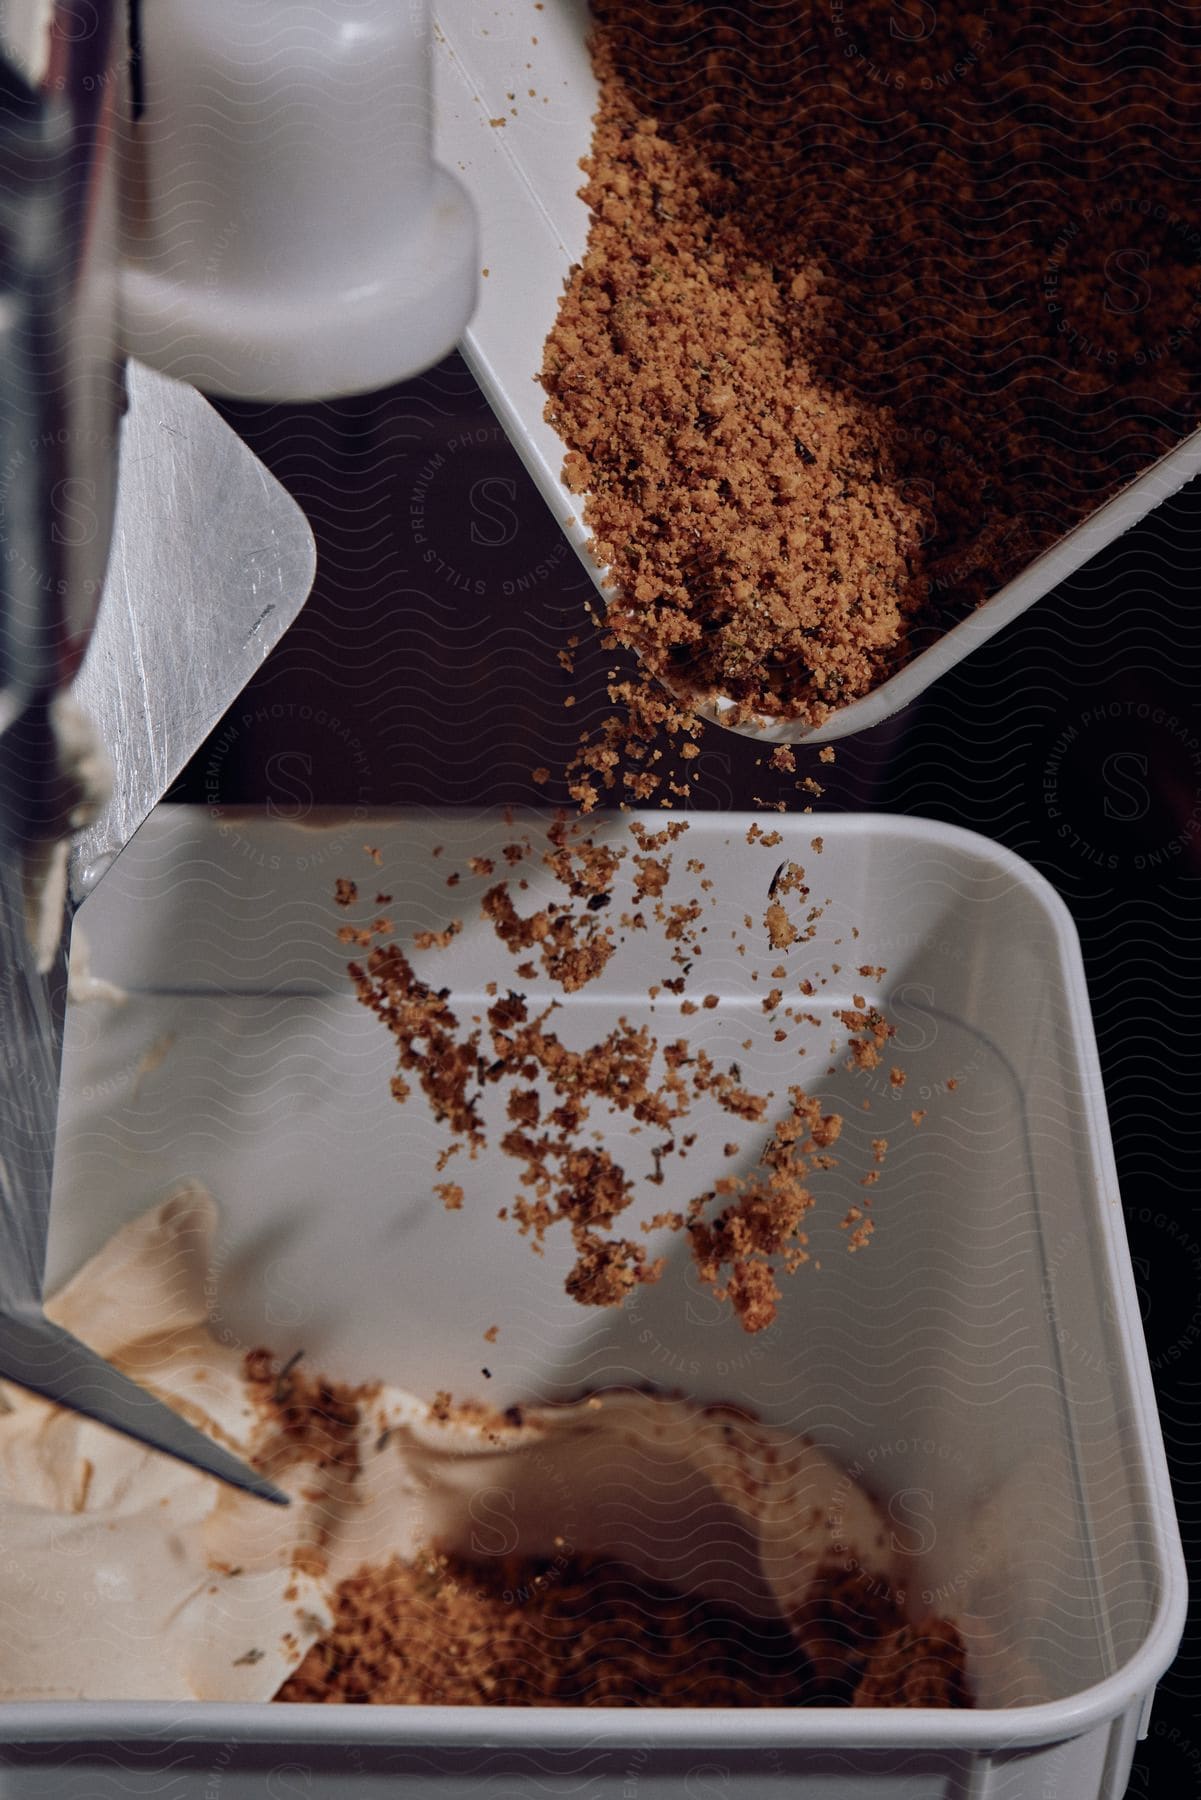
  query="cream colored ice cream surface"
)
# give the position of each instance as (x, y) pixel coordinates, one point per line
(124, 1575)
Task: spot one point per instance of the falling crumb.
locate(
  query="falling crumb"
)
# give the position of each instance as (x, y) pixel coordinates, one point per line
(437, 940)
(753, 1293)
(780, 930)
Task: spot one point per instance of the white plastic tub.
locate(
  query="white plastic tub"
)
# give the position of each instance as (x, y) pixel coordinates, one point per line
(984, 1351)
(524, 177)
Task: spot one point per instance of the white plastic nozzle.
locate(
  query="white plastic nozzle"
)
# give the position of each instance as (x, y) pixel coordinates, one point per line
(288, 233)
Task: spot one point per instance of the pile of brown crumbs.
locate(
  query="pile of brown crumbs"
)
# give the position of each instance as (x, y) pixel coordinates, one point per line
(577, 1631)
(866, 319)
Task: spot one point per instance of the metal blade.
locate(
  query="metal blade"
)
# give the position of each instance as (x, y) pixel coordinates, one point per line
(211, 561)
(35, 1353)
(28, 1092)
(41, 1356)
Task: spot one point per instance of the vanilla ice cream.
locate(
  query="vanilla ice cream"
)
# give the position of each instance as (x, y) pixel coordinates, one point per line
(132, 1576)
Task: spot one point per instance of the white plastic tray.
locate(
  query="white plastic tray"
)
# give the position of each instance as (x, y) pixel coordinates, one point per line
(524, 178)
(984, 1351)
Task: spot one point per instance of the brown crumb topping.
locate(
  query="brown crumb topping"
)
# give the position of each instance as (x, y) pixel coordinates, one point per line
(916, 1665)
(580, 1631)
(572, 1629)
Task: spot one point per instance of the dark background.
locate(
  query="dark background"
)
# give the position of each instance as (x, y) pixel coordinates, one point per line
(424, 671)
